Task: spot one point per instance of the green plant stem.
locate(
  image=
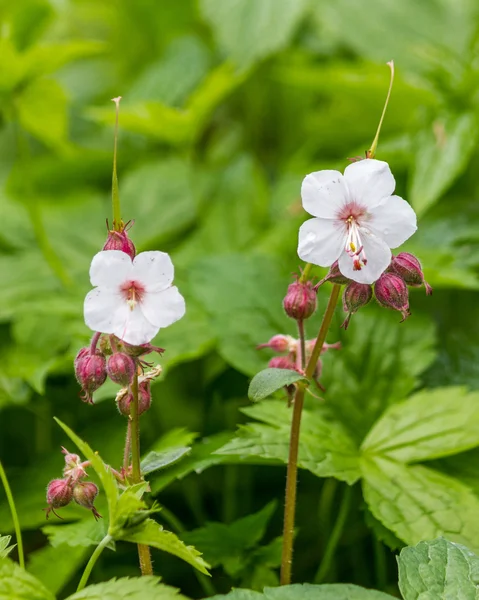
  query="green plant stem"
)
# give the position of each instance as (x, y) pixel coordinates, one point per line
(292, 470)
(335, 536)
(143, 551)
(372, 151)
(91, 563)
(13, 510)
(302, 345)
(127, 450)
(115, 193)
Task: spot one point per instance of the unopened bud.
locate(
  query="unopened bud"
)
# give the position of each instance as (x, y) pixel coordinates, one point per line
(281, 362)
(74, 467)
(355, 296)
(84, 494)
(408, 267)
(59, 493)
(300, 300)
(119, 240)
(280, 343)
(391, 291)
(90, 371)
(120, 368)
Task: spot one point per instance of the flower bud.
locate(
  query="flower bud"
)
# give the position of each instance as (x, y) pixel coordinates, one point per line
(123, 401)
(334, 275)
(74, 468)
(280, 343)
(282, 362)
(355, 296)
(119, 240)
(90, 371)
(121, 368)
(408, 267)
(300, 300)
(391, 291)
(84, 494)
(59, 493)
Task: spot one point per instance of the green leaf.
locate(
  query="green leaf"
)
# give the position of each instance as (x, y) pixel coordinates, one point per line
(5, 547)
(248, 30)
(325, 448)
(105, 475)
(418, 503)
(154, 461)
(428, 425)
(56, 566)
(268, 381)
(306, 591)
(42, 110)
(129, 588)
(230, 545)
(152, 534)
(443, 152)
(17, 584)
(438, 569)
(85, 533)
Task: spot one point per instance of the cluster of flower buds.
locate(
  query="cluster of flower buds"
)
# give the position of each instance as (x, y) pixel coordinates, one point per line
(107, 356)
(390, 290)
(60, 492)
(290, 350)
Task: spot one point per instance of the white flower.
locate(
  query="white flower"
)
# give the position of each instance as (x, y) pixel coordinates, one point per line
(357, 219)
(132, 299)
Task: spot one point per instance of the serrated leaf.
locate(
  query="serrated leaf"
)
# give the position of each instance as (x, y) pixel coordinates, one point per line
(306, 591)
(105, 475)
(268, 381)
(429, 425)
(56, 566)
(155, 461)
(418, 503)
(443, 152)
(248, 30)
(438, 569)
(129, 588)
(152, 534)
(17, 584)
(87, 532)
(325, 448)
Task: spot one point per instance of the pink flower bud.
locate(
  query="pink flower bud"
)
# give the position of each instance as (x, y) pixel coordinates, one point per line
(280, 343)
(90, 371)
(121, 368)
(300, 300)
(74, 468)
(391, 291)
(84, 494)
(355, 296)
(144, 400)
(408, 267)
(282, 362)
(59, 493)
(119, 240)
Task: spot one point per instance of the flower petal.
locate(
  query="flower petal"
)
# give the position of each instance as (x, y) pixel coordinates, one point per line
(164, 307)
(154, 269)
(104, 309)
(394, 220)
(369, 181)
(321, 241)
(136, 329)
(378, 258)
(323, 193)
(109, 268)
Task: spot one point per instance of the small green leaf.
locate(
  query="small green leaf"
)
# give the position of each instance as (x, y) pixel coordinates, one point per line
(106, 477)
(152, 534)
(17, 584)
(438, 569)
(87, 532)
(305, 591)
(141, 588)
(154, 461)
(269, 381)
(5, 547)
(428, 425)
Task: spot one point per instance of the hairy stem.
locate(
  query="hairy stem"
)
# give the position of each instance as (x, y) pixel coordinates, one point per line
(302, 345)
(143, 551)
(335, 536)
(292, 470)
(13, 511)
(91, 563)
(127, 450)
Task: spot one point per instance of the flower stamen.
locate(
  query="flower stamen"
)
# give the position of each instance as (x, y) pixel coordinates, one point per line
(354, 247)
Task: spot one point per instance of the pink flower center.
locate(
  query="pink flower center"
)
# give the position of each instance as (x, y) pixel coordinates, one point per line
(351, 215)
(132, 292)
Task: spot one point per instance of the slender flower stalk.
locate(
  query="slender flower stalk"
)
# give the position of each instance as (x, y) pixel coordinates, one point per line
(91, 563)
(115, 194)
(372, 151)
(292, 471)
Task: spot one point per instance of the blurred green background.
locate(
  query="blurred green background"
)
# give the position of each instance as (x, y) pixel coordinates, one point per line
(227, 104)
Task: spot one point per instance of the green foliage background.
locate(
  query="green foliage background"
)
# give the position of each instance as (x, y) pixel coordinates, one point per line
(227, 104)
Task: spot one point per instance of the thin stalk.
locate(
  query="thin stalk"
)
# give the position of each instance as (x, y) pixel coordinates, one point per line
(335, 536)
(372, 151)
(127, 450)
(143, 551)
(91, 563)
(302, 345)
(292, 470)
(115, 193)
(13, 511)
